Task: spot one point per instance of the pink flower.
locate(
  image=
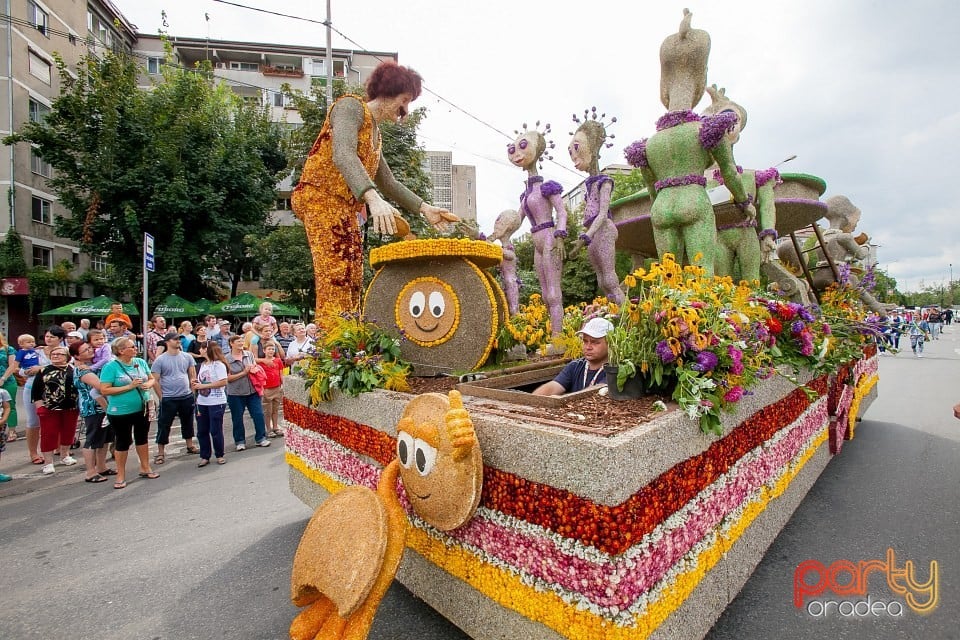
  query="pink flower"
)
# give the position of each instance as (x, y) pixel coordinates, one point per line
(734, 394)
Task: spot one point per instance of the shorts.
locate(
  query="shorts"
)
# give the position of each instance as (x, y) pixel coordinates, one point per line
(98, 434)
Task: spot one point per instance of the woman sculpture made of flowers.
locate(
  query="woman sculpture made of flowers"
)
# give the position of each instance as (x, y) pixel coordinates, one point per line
(537, 203)
(600, 233)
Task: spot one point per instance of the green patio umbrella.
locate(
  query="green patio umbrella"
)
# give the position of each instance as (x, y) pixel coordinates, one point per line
(173, 306)
(99, 306)
(203, 304)
(247, 304)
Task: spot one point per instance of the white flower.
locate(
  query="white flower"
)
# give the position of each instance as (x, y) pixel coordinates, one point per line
(659, 405)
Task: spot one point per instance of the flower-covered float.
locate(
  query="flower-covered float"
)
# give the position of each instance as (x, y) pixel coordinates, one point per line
(646, 530)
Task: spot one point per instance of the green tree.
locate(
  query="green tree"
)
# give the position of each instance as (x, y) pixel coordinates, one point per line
(12, 264)
(187, 162)
(284, 251)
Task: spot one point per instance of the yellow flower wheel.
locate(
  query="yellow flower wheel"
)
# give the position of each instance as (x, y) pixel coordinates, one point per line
(449, 308)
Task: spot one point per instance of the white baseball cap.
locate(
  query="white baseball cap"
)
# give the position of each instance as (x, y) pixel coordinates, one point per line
(596, 328)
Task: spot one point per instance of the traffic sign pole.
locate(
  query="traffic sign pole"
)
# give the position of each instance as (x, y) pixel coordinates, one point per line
(148, 265)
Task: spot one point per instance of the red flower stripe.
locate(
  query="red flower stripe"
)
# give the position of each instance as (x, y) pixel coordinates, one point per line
(612, 530)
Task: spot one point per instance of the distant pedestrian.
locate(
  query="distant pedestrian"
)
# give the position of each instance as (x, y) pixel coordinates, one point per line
(55, 399)
(948, 317)
(153, 341)
(210, 386)
(52, 338)
(934, 319)
(301, 347)
(125, 381)
(93, 407)
(186, 335)
(241, 395)
(273, 390)
(917, 330)
(174, 370)
(223, 336)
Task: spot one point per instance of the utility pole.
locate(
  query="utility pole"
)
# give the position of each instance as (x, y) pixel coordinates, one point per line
(329, 59)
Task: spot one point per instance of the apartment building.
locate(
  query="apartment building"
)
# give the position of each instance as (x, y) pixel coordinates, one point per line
(30, 34)
(454, 185)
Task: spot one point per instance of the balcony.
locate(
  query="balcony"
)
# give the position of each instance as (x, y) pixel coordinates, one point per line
(281, 72)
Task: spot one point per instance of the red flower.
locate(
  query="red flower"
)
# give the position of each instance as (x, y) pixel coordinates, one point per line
(774, 325)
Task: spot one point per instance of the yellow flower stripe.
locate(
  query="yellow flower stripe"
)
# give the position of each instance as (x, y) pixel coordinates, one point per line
(486, 254)
(864, 385)
(456, 310)
(508, 590)
(494, 321)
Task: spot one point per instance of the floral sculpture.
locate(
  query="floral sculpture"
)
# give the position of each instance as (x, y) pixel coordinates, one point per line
(537, 203)
(353, 544)
(600, 234)
(505, 226)
(673, 159)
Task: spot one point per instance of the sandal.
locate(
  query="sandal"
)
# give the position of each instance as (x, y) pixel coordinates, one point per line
(193, 450)
(221, 461)
(12, 436)
(95, 479)
(203, 463)
(37, 460)
(158, 459)
(119, 485)
(149, 475)
(108, 472)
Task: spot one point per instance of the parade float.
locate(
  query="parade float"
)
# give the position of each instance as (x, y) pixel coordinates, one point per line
(572, 526)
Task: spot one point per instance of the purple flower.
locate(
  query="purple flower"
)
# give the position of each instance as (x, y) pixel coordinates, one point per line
(734, 394)
(680, 181)
(805, 314)
(826, 329)
(715, 127)
(673, 118)
(706, 361)
(636, 153)
(664, 352)
(797, 326)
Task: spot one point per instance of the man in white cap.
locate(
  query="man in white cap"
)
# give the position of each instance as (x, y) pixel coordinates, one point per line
(586, 371)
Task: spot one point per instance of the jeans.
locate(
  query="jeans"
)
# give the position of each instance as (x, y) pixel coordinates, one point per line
(254, 405)
(171, 408)
(210, 428)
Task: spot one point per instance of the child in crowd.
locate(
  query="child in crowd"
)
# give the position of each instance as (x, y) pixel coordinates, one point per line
(5, 400)
(266, 319)
(273, 389)
(27, 354)
(101, 350)
(116, 313)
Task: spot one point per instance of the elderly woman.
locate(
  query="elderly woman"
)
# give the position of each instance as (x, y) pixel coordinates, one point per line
(300, 347)
(92, 407)
(55, 399)
(338, 186)
(125, 381)
(52, 338)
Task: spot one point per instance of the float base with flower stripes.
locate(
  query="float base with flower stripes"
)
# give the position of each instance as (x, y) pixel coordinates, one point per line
(587, 584)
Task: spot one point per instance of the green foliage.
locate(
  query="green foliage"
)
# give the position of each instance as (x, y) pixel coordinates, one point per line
(187, 162)
(285, 258)
(355, 357)
(12, 264)
(45, 283)
(627, 185)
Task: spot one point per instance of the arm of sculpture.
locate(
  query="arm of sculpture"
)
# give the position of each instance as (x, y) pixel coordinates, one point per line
(853, 250)
(604, 193)
(722, 152)
(556, 201)
(767, 219)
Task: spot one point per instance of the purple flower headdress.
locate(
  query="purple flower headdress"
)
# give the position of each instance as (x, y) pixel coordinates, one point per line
(548, 144)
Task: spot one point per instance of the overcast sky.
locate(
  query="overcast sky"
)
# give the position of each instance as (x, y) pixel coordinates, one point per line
(864, 93)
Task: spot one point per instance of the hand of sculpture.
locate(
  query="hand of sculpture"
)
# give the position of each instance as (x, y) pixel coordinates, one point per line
(768, 246)
(437, 216)
(559, 249)
(577, 247)
(381, 212)
(750, 212)
(459, 427)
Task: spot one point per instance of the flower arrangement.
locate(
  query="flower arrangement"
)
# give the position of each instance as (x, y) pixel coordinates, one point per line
(529, 327)
(354, 356)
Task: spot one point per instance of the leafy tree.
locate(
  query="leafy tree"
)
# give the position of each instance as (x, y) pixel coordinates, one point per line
(627, 185)
(284, 252)
(12, 264)
(187, 162)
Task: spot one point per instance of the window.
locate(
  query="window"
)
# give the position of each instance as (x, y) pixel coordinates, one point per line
(40, 166)
(244, 66)
(283, 204)
(42, 257)
(39, 67)
(89, 20)
(38, 17)
(98, 262)
(280, 100)
(153, 65)
(42, 211)
(38, 111)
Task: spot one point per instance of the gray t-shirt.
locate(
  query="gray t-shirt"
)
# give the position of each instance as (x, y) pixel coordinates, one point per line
(174, 373)
(241, 386)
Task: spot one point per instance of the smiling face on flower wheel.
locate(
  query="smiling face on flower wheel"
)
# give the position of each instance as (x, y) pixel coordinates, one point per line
(440, 465)
(428, 311)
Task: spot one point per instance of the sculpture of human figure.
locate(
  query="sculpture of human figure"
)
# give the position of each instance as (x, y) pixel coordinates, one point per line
(505, 226)
(537, 203)
(741, 248)
(841, 244)
(600, 233)
(673, 160)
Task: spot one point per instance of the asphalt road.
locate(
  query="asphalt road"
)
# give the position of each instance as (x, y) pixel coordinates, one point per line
(206, 553)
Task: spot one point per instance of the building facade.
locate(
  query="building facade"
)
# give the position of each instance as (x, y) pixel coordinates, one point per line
(454, 185)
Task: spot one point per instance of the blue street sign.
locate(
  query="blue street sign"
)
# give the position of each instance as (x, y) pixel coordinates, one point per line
(148, 262)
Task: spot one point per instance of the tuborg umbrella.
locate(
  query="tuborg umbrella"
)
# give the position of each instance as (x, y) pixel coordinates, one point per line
(247, 304)
(203, 304)
(174, 306)
(99, 306)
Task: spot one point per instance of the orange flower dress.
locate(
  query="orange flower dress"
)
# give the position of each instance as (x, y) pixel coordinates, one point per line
(331, 216)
